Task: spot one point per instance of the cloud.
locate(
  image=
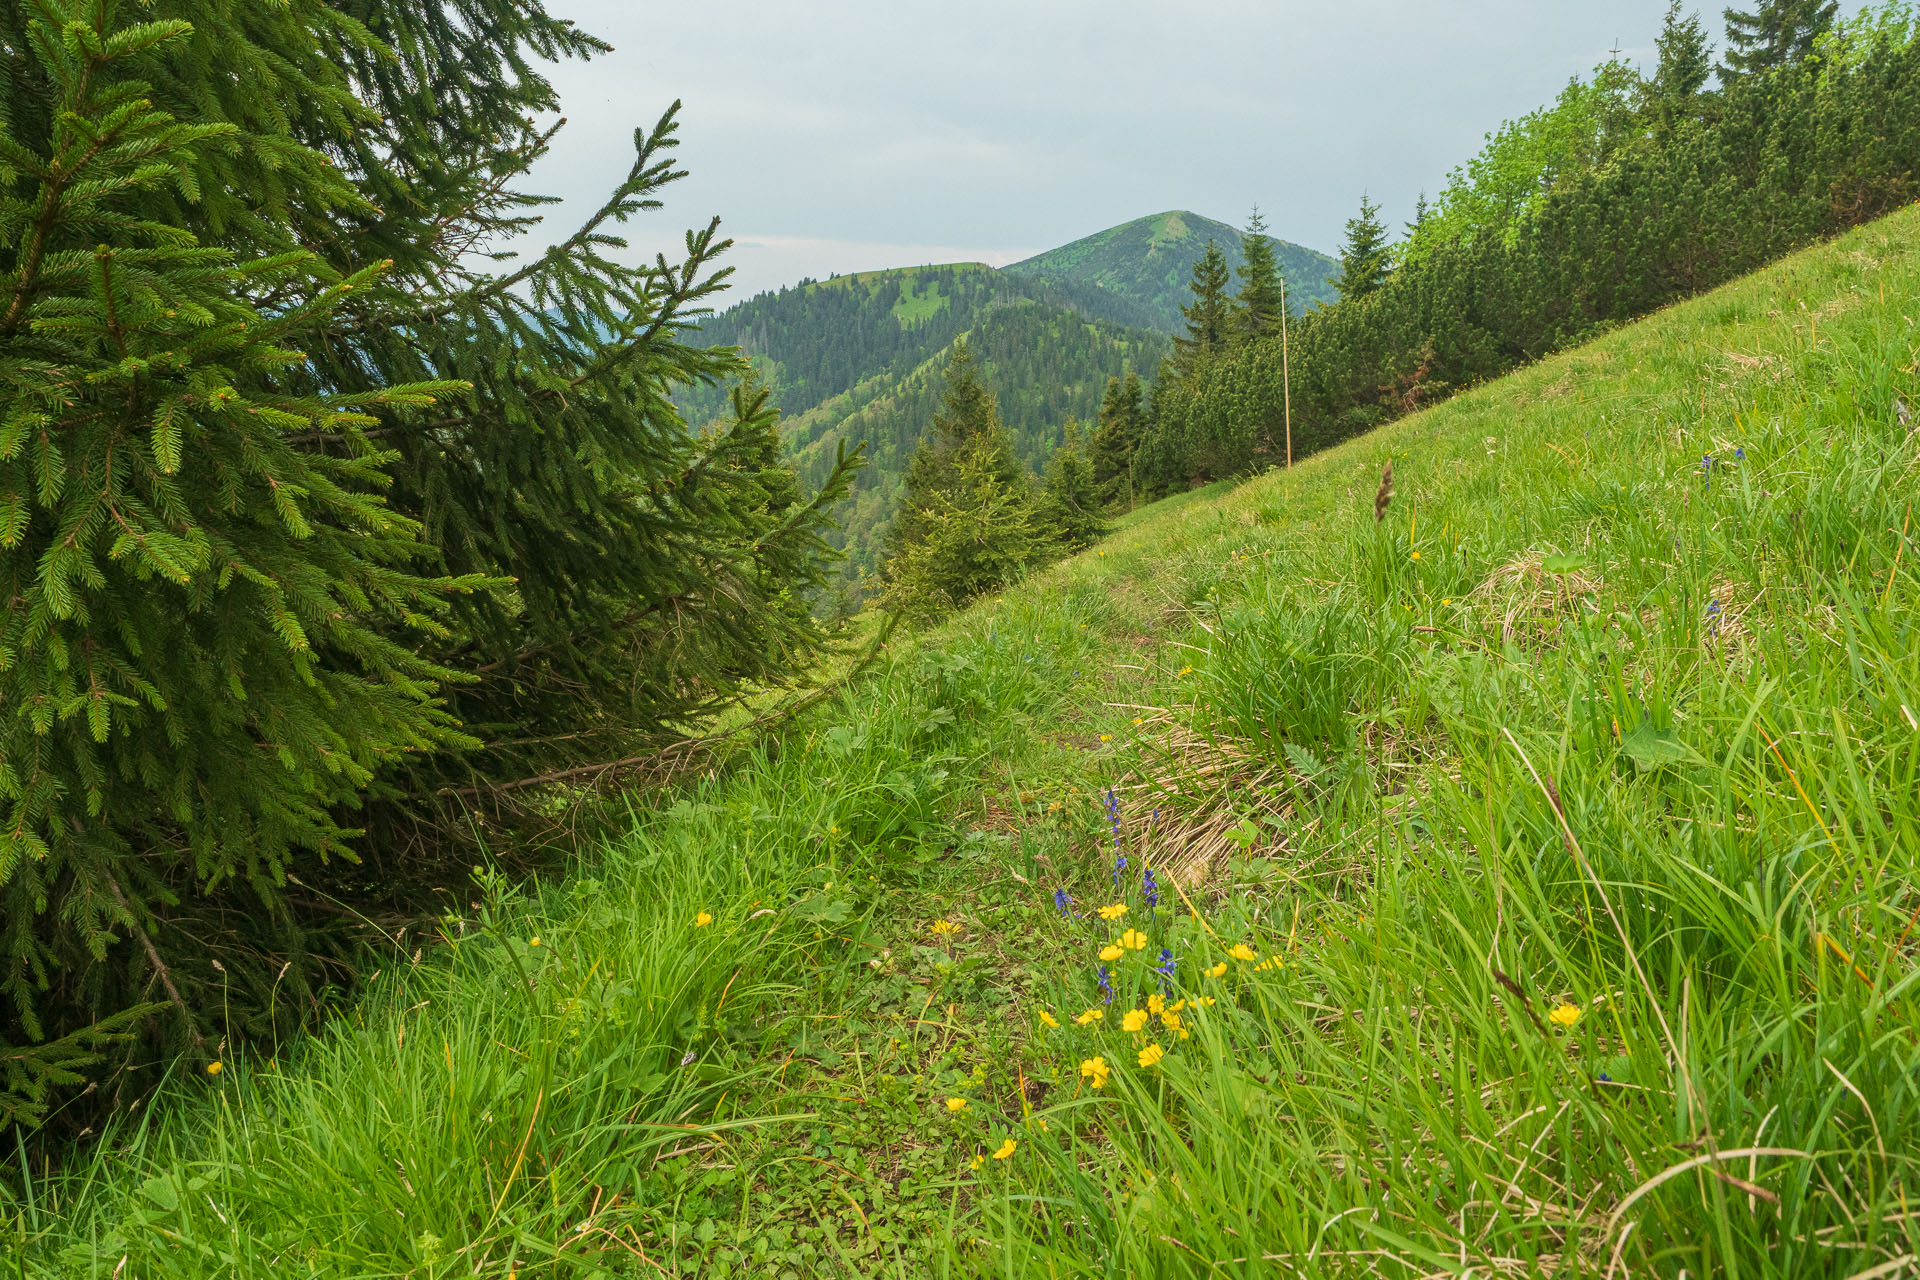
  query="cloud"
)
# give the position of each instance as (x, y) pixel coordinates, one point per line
(837, 129)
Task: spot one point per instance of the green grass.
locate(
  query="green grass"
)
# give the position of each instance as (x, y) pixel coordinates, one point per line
(1628, 735)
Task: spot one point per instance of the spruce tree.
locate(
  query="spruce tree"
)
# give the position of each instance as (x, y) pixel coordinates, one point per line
(1774, 33)
(1116, 436)
(1067, 513)
(1209, 315)
(1366, 256)
(1260, 297)
(964, 520)
(323, 529)
(1685, 63)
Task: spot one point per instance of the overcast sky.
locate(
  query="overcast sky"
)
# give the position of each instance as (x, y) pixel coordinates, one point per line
(842, 135)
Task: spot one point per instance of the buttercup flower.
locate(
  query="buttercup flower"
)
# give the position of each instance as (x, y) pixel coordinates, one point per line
(700, 921)
(977, 1161)
(1110, 953)
(1151, 1054)
(1007, 1148)
(1049, 1019)
(1134, 1020)
(956, 1104)
(534, 941)
(1090, 1017)
(1564, 1015)
(1095, 1071)
(1133, 940)
(213, 1068)
(1156, 1003)
(1217, 970)
(1240, 951)
(1113, 912)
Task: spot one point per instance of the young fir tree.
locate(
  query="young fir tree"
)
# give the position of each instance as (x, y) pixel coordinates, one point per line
(304, 504)
(1672, 92)
(1366, 257)
(1775, 33)
(964, 522)
(1259, 300)
(1209, 315)
(1067, 513)
(1117, 435)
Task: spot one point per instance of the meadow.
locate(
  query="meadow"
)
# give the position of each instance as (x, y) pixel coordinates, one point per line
(1517, 868)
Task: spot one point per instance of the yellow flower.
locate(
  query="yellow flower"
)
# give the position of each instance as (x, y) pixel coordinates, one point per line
(1151, 1054)
(945, 926)
(1240, 951)
(1133, 940)
(1113, 912)
(1447, 601)
(1217, 970)
(213, 1068)
(702, 920)
(1106, 737)
(1049, 1019)
(1007, 1148)
(1170, 1020)
(1186, 671)
(1110, 953)
(1137, 722)
(977, 1161)
(1156, 1003)
(1090, 1017)
(1564, 1015)
(534, 941)
(1134, 1020)
(1416, 555)
(1095, 1071)
(1203, 1000)
(1271, 962)
(956, 1104)
(1177, 1005)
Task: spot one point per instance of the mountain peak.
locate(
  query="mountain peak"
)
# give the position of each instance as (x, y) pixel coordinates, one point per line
(1150, 260)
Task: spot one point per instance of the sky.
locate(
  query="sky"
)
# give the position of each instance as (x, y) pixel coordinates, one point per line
(846, 135)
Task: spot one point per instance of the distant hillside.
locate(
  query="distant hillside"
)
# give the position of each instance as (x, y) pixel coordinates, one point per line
(821, 338)
(1149, 262)
(1045, 364)
(858, 357)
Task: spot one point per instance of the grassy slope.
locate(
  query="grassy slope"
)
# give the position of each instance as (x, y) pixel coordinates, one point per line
(1720, 678)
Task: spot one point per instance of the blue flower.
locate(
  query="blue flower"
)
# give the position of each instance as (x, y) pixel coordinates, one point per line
(1106, 984)
(1167, 963)
(1063, 901)
(1150, 889)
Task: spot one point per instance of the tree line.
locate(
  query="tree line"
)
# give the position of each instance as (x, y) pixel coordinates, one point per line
(1630, 192)
(327, 535)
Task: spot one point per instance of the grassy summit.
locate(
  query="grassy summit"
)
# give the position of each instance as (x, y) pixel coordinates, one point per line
(1536, 865)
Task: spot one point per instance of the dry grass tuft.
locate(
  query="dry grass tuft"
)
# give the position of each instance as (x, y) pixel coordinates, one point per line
(1528, 599)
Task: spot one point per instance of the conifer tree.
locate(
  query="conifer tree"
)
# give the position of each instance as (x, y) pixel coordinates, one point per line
(1209, 315)
(964, 521)
(1365, 258)
(1121, 427)
(1774, 33)
(1067, 513)
(313, 515)
(1260, 297)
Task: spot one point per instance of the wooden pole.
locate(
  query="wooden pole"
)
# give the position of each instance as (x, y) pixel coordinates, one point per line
(1286, 373)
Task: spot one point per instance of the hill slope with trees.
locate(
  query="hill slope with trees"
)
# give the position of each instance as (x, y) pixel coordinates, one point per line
(1149, 261)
